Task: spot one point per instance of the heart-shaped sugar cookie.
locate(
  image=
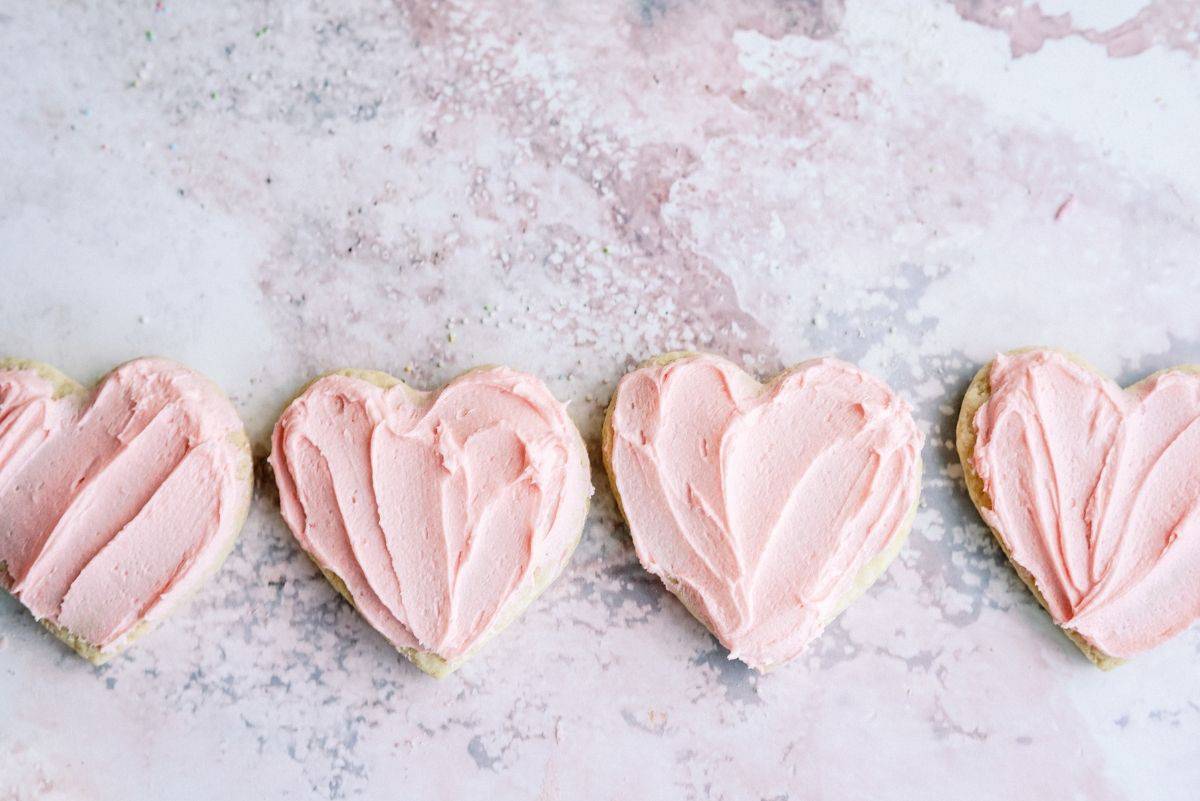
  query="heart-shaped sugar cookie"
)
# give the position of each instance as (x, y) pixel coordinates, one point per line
(1093, 492)
(115, 503)
(440, 516)
(765, 508)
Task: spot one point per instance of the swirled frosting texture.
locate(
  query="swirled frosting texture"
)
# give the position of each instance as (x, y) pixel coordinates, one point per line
(116, 502)
(759, 505)
(1094, 491)
(437, 511)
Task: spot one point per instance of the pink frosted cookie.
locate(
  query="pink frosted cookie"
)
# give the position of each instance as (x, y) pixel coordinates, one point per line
(766, 508)
(439, 516)
(1093, 492)
(117, 502)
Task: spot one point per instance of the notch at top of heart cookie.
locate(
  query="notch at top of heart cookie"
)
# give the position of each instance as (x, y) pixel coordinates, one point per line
(117, 502)
(439, 516)
(766, 508)
(1092, 491)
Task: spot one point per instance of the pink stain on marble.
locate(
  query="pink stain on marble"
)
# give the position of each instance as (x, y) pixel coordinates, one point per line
(1172, 24)
(629, 261)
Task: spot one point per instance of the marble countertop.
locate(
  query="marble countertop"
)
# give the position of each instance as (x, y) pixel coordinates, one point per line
(265, 190)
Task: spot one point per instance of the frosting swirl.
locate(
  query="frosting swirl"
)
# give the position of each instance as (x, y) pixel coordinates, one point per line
(119, 501)
(1095, 492)
(442, 514)
(759, 506)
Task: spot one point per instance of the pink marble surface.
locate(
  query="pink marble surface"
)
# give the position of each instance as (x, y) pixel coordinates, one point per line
(266, 190)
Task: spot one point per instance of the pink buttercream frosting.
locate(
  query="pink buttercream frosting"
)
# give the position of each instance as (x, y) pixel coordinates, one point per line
(438, 511)
(117, 501)
(758, 505)
(1095, 492)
